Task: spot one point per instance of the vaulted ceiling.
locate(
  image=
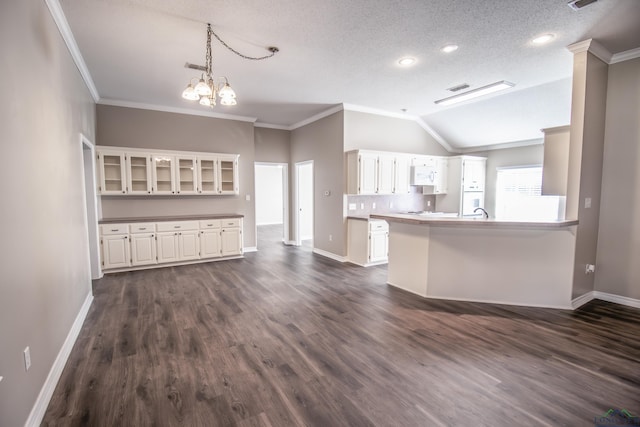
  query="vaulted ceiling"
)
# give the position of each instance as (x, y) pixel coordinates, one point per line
(347, 51)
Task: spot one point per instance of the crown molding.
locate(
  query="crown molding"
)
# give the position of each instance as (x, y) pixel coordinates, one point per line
(593, 47)
(625, 56)
(143, 106)
(316, 117)
(436, 135)
(270, 126)
(65, 31)
(515, 144)
(377, 112)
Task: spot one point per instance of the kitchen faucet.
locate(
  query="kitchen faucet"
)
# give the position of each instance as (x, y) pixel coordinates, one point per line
(484, 213)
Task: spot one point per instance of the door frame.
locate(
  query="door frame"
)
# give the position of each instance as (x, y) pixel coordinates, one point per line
(90, 205)
(285, 198)
(298, 165)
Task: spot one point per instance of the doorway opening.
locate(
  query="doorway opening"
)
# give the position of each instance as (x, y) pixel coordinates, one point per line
(304, 203)
(91, 205)
(272, 202)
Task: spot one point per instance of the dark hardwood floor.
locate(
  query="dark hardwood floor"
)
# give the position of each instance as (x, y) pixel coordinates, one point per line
(288, 338)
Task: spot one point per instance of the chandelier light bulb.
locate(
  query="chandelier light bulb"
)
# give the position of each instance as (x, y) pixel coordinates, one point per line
(202, 88)
(228, 101)
(190, 94)
(205, 101)
(227, 93)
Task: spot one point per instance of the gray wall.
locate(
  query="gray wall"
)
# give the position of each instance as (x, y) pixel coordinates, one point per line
(44, 263)
(132, 127)
(373, 132)
(322, 142)
(617, 268)
(517, 156)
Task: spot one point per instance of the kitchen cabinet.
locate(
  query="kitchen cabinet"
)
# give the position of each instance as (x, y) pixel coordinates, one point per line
(465, 186)
(368, 241)
(167, 248)
(143, 244)
(210, 245)
(473, 174)
(114, 242)
(129, 171)
(231, 237)
(373, 172)
(112, 175)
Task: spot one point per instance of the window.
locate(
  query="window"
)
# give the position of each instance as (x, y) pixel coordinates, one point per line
(519, 196)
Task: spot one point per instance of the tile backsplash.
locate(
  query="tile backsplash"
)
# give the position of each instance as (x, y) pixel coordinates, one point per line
(414, 201)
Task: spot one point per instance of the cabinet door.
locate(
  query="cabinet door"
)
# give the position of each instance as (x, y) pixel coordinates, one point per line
(163, 174)
(228, 175)
(473, 175)
(207, 175)
(138, 173)
(231, 241)
(167, 247)
(115, 251)
(210, 244)
(186, 175)
(402, 174)
(143, 249)
(189, 245)
(440, 186)
(386, 171)
(112, 172)
(367, 173)
(378, 246)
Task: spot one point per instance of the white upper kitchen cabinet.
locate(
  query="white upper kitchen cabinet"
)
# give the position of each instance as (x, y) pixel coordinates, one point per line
(164, 172)
(386, 173)
(474, 174)
(139, 174)
(374, 172)
(207, 175)
(402, 174)
(112, 171)
(228, 174)
(465, 185)
(186, 175)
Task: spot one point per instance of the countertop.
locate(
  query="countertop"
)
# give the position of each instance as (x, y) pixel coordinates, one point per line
(359, 217)
(168, 218)
(478, 222)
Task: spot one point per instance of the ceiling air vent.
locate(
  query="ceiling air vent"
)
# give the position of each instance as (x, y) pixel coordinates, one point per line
(457, 88)
(579, 4)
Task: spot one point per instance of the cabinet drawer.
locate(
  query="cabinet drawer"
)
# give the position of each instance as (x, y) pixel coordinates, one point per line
(231, 222)
(378, 225)
(177, 225)
(210, 223)
(107, 229)
(143, 227)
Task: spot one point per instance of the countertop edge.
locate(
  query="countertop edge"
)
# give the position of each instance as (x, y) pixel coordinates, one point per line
(408, 219)
(167, 218)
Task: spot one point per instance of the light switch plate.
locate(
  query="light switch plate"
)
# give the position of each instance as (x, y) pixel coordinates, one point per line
(587, 202)
(352, 206)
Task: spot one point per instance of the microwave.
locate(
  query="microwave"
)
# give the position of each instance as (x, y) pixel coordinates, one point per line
(423, 175)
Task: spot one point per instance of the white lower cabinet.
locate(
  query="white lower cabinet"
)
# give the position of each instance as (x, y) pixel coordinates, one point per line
(368, 241)
(146, 244)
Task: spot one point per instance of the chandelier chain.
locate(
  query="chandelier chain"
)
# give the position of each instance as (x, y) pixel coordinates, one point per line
(208, 59)
(273, 50)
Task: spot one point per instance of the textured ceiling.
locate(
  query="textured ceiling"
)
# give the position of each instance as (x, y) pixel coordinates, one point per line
(346, 51)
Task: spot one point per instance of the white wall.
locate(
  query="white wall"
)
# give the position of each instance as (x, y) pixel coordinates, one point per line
(269, 195)
(617, 267)
(44, 265)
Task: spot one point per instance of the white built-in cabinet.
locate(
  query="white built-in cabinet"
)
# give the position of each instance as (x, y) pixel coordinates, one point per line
(143, 244)
(368, 241)
(466, 183)
(127, 171)
(439, 166)
(373, 172)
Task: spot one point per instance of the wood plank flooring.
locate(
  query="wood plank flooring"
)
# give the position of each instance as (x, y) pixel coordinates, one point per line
(288, 338)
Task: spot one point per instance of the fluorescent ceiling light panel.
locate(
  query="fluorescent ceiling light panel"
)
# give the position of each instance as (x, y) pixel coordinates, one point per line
(475, 93)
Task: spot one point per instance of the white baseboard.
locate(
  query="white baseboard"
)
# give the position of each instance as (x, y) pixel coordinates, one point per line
(289, 242)
(42, 402)
(631, 302)
(330, 255)
(582, 300)
(250, 249)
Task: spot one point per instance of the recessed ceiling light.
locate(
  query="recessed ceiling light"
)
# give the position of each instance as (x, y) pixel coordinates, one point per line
(545, 38)
(407, 61)
(481, 91)
(449, 48)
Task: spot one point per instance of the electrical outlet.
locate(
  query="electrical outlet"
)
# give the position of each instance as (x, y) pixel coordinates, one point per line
(587, 203)
(248, 197)
(27, 358)
(352, 206)
(428, 203)
(361, 205)
(373, 205)
(390, 205)
(330, 238)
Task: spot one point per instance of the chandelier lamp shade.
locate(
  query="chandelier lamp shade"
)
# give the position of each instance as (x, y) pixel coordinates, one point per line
(208, 89)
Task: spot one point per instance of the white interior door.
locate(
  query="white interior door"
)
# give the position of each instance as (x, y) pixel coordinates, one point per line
(304, 197)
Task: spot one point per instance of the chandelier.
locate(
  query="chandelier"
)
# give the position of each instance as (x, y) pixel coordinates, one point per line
(209, 88)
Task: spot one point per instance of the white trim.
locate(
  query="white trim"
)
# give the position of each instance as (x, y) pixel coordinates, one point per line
(250, 249)
(582, 300)
(436, 136)
(592, 46)
(270, 126)
(378, 112)
(296, 201)
(286, 232)
(557, 129)
(289, 242)
(625, 56)
(502, 146)
(179, 110)
(93, 235)
(618, 299)
(65, 31)
(330, 255)
(40, 406)
(317, 117)
(174, 263)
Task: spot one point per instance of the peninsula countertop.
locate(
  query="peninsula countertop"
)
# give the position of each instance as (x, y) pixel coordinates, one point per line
(472, 222)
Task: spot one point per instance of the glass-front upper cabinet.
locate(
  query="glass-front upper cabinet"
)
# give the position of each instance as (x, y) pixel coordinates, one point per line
(112, 172)
(138, 173)
(186, 175)
(228, 175)
(207, 175)
(163, 174)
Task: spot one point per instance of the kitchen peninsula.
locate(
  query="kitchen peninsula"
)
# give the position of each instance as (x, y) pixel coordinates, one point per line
(483, 260)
